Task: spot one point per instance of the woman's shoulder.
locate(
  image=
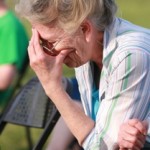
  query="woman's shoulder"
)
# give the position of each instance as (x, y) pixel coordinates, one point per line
(126, 28)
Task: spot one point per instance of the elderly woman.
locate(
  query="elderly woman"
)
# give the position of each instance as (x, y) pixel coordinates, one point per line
(111, 58)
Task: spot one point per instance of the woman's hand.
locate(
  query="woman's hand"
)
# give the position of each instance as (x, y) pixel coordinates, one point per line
(47, 68)
(132, 135)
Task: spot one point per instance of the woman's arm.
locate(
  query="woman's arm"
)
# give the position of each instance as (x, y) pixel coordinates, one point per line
(7, 75)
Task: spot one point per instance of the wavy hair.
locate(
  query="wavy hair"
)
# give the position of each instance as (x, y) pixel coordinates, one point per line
(68, 14)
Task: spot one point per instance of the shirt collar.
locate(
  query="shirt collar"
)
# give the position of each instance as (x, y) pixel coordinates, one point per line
(110, 41)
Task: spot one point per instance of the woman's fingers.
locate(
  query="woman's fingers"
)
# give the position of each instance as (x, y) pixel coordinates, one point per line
(141, 126)
(31, 51)
(38, 49)
(140, 129)
(133, 140)
(131, 135)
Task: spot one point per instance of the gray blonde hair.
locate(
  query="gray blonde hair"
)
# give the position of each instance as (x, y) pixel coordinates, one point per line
(68, 14)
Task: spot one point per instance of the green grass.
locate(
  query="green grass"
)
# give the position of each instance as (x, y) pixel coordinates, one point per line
(136, 11)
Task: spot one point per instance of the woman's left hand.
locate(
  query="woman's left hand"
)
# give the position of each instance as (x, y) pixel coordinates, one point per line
(132, 135)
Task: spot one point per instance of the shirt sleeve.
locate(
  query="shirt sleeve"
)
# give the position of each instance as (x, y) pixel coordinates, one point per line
(13, 42)
(10, 41)
(126, 96)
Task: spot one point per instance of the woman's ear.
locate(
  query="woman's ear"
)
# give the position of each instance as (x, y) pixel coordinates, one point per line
(86, 28)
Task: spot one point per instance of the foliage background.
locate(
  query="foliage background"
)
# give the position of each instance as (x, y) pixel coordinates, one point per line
(136, 11)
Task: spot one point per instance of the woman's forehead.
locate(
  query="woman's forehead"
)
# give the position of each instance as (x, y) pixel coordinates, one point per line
(47, 32)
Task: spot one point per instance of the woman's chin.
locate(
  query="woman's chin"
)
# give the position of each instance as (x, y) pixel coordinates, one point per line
(72, 60)
(70, 64)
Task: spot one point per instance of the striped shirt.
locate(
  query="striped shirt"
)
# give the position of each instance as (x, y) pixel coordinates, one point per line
(124, 88)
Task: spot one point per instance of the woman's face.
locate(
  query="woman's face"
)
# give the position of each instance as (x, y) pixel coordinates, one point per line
(78, 48)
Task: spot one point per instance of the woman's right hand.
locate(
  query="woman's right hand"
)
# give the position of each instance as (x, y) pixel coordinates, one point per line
(47, 68)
